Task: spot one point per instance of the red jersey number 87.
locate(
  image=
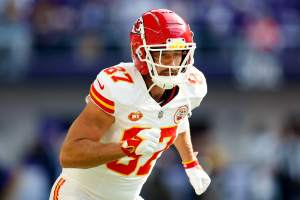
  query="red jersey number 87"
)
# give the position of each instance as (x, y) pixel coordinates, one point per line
(168, 136)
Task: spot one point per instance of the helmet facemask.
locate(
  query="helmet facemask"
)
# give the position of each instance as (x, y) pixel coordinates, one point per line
(176, 73)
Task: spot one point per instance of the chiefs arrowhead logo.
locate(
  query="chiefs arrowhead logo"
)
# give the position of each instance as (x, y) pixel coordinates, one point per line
(137, 26)
(181, 113)
(134, 116)
(194, 79)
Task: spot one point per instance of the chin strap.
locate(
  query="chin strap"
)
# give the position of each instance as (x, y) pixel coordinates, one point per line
(151, 86)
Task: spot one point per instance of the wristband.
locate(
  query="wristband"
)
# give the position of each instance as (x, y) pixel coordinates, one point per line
(190, 164)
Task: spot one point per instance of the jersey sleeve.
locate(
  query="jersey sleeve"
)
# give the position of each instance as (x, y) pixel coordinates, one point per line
(100, 94)
(199, 88)
(183, 126)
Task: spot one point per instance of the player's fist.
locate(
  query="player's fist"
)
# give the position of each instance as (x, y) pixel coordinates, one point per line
(150, 141)
(145, 142)
(197, 176)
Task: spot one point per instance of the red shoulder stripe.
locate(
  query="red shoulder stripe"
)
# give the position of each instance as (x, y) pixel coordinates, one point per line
(102, 106)
(57, 188)
(102, 98)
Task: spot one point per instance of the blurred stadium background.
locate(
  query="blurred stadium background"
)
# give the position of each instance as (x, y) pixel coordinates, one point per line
(247, 130)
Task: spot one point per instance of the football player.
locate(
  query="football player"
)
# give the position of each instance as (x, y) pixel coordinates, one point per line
(134, 112)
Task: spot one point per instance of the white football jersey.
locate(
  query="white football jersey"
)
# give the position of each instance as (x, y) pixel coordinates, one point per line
(121, 91)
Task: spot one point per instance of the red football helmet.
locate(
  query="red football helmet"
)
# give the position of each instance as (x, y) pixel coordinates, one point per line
(161, 30)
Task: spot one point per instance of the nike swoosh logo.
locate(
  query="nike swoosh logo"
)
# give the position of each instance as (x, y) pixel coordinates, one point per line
(100, 85)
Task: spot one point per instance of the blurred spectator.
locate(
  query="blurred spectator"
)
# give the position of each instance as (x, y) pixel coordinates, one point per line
(93, 16)
(53, 26)
(5, 182)
(256, 65)
(33, 178)
(15, 41)
(234, 38)
(89, 49)
(263, 153)
(288, 174)
(212, 156)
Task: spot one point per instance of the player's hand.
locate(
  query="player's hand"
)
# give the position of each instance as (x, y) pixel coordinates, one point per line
(145, 142)
(197, 176)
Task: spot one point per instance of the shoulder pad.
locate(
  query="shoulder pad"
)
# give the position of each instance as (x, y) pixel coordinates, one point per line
(120, 84)
(196, 87)
(100, 93)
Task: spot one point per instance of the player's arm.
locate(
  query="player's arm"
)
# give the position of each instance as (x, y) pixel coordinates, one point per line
(81, 148)
(183, 141)
(197, 176)
(184, 146)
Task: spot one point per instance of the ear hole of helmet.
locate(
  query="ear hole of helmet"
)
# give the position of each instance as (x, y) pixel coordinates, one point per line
(141, 54)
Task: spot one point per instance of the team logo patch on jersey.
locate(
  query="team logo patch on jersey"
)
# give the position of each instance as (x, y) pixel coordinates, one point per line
(181, 113)
(134, 116)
